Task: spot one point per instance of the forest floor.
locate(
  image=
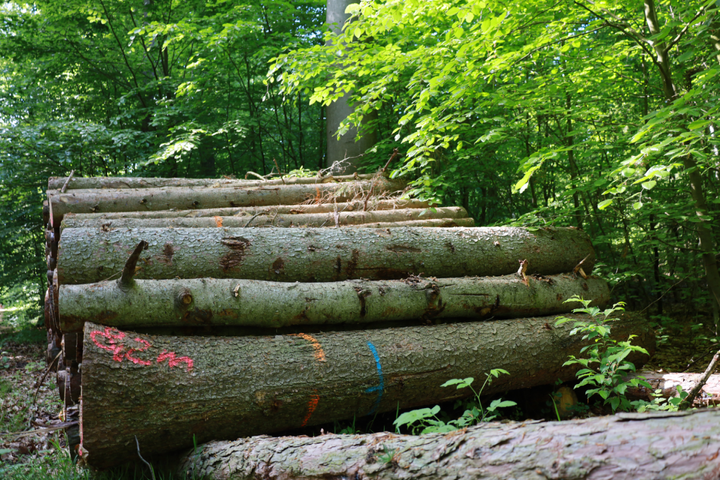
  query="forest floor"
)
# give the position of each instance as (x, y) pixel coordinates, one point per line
(32, 442)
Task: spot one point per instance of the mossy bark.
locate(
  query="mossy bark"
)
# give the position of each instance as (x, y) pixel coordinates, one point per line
(246, 212)
(620, 447)
(330, 219)
(83, 183)
(254, 303)
(172, 391)
(148, 199)
(321, 254)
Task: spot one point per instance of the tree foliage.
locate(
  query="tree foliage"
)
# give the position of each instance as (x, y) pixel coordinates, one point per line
(545, 112)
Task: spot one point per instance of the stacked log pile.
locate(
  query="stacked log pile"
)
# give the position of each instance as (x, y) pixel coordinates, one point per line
(184, 310)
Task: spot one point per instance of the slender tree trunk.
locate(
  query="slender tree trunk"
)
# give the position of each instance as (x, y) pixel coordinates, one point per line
(621, 447)
(146, 199)
(247, 212)
(321, 254)
(85, 183)
(209, 301)
(170, 392)
(330, 219)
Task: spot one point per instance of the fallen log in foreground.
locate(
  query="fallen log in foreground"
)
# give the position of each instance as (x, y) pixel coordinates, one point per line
(330, 219)
(172, 391)
(222, 302)
(358, 205)
(128, 200)
(77, 183)
(620, 447)
(322, 255)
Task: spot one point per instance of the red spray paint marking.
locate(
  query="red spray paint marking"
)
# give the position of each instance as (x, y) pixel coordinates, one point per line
(174, 361)
(138, 361)
(112, 335)
(312, 405)
(119, 354)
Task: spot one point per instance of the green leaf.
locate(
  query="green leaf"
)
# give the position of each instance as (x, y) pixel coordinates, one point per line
(604, 204)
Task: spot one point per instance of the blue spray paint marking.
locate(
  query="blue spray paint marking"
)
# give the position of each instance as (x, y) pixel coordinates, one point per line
(381, 386)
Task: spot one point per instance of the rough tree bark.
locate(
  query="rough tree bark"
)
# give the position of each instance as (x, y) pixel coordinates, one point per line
(84, 183)
(247, 212)
(330, 219)
(171, 391)
(435, 223)
(321, 254)
(208, 301)
(128, 200)
(620, 447)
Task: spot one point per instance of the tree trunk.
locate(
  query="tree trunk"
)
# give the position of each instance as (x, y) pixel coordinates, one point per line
(322, 255)
(435, 223)
(145, 199)
(619, 447)
(172, 391)
(347, 149)
(56, 183)
(247, 212)
(274, 220)
(209, 301)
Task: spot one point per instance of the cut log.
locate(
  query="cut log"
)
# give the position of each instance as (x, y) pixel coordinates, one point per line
(434, 223)
(247, 212)
(330, 219)
(323, 254)
(128, 200)
(79, 183)
(222, 302)
(171, 391)
(620, 447)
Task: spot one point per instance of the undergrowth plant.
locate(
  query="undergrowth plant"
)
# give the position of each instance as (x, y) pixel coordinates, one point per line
(425, 420)
(605, 367)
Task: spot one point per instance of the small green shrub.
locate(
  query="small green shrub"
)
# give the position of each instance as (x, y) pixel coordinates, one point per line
(606, 367)
(425, 420)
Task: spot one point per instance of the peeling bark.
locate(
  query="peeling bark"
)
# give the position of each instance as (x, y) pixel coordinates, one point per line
(323, 255)
(330, 219)
(218, 302)
(620, 447)
(171, 391)
(149, 199)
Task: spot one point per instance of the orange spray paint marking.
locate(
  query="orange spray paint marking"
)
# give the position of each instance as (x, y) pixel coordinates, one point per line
(312, 405)
(218, 221)
(174, 361)
(319, 352)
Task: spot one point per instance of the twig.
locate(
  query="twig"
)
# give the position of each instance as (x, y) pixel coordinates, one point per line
(279, 172)
(62, 190)
(687, 403)
(152, 472)
(126, 280)
(392, 157)
(666, 292)
(42, 380)
(256, 175)
(251, 219)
